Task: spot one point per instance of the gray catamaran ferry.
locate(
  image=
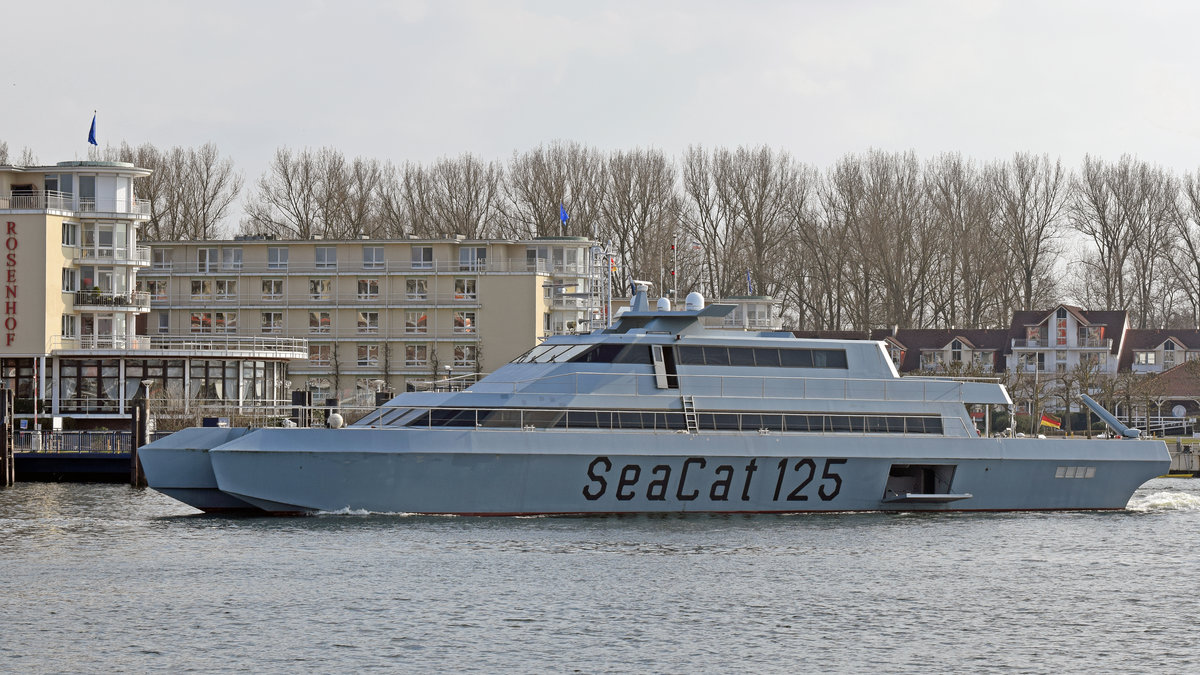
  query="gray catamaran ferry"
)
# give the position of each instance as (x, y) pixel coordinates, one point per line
(658, 413)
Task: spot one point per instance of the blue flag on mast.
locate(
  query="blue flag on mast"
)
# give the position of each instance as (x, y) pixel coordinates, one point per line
(92, 133)
(562, 214)
(749, 285)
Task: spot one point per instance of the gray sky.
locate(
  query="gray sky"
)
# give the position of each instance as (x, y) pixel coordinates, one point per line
(401, 81)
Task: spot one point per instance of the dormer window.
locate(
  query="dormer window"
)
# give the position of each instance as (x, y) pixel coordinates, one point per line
(1061, 313)
(956, 349)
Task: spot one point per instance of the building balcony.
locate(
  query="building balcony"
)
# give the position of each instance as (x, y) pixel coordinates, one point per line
(65, 201)
(305, 299)
(361, 268)
(196, 346)
(1045, 343)
(137, 257)
(135, 301)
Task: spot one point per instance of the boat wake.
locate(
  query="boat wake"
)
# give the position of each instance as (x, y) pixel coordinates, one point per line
(1164, 501)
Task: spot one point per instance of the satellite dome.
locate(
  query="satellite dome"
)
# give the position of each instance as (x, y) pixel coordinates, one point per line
(335, 421)
(664, 304)
(694, 302)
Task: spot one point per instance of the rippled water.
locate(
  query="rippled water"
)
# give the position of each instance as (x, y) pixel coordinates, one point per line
(104, 578)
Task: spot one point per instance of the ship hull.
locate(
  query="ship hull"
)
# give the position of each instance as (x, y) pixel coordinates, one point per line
(179, 467)
(481, 472)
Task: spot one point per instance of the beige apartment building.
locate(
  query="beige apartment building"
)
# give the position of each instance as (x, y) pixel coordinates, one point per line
(378, 315)
(70, 345)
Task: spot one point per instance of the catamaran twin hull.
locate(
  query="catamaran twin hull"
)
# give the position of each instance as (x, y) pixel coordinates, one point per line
(548, 472)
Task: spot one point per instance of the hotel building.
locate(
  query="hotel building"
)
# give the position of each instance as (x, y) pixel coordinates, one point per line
(70, 344)
(378, 315)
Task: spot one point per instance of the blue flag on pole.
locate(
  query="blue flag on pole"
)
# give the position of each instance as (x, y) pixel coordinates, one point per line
(92, 133)
(562, 214)
(749, 285)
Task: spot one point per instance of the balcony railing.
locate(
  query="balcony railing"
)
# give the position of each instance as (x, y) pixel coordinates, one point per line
(200, 344)
(138, 256)
(305, 299)
(510, 266)
(66, 201)
(1047, 343)
(134, 301)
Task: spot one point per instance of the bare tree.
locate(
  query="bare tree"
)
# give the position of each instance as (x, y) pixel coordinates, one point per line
(3, 153)
(286, 201)
(967, 271)
(1031, 193)
(540, 181)
(639, 211)
(462, 195)
(1185, 257)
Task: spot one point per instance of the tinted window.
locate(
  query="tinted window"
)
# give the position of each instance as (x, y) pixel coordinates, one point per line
(766, 357)
(795, 358)
(741, 356)
(716, 356)
(609, 353)
(690, 356)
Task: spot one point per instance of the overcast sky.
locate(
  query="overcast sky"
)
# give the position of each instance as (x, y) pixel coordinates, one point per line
(401, 81)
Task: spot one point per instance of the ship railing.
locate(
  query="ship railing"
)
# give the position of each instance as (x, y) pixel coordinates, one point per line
(673, 421)
(585, 383)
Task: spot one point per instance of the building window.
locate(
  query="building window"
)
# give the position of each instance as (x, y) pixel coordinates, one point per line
(70, 234)
(318, 322)
(70, 280)
(416, 289)
(464, 355)
(464, 322)
(368, 322)
(319, 289)
(368, 289)
(318, 355)
(231, 259)
(227, 289)
(416, 355)
(277, 258)
(157, 288)
(225, 322)
(321, 388)
(206, 260)
(415, 322)
(1144, 358)
(326, 257)
(472, 258)
(272, 289)
(1032, 361)
(201, 322)
(164, 322)
(368, 355)
(272, 322)
(464, 289)
(422, 257)
(202, 289)
(70, 325)
(160, 258)
(372, 257)
(956, 351)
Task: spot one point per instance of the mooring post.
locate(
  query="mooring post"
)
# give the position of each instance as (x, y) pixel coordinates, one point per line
(8, 464)
(139, 428)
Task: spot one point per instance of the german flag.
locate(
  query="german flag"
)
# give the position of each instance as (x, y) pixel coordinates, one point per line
(1048, 421)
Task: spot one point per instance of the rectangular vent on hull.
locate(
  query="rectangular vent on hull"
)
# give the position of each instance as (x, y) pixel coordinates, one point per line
(921, 484)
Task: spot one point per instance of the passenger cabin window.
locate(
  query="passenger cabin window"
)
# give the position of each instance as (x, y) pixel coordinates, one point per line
(761, 357)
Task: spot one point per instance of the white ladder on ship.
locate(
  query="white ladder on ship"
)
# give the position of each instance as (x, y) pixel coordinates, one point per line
(689, 413)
